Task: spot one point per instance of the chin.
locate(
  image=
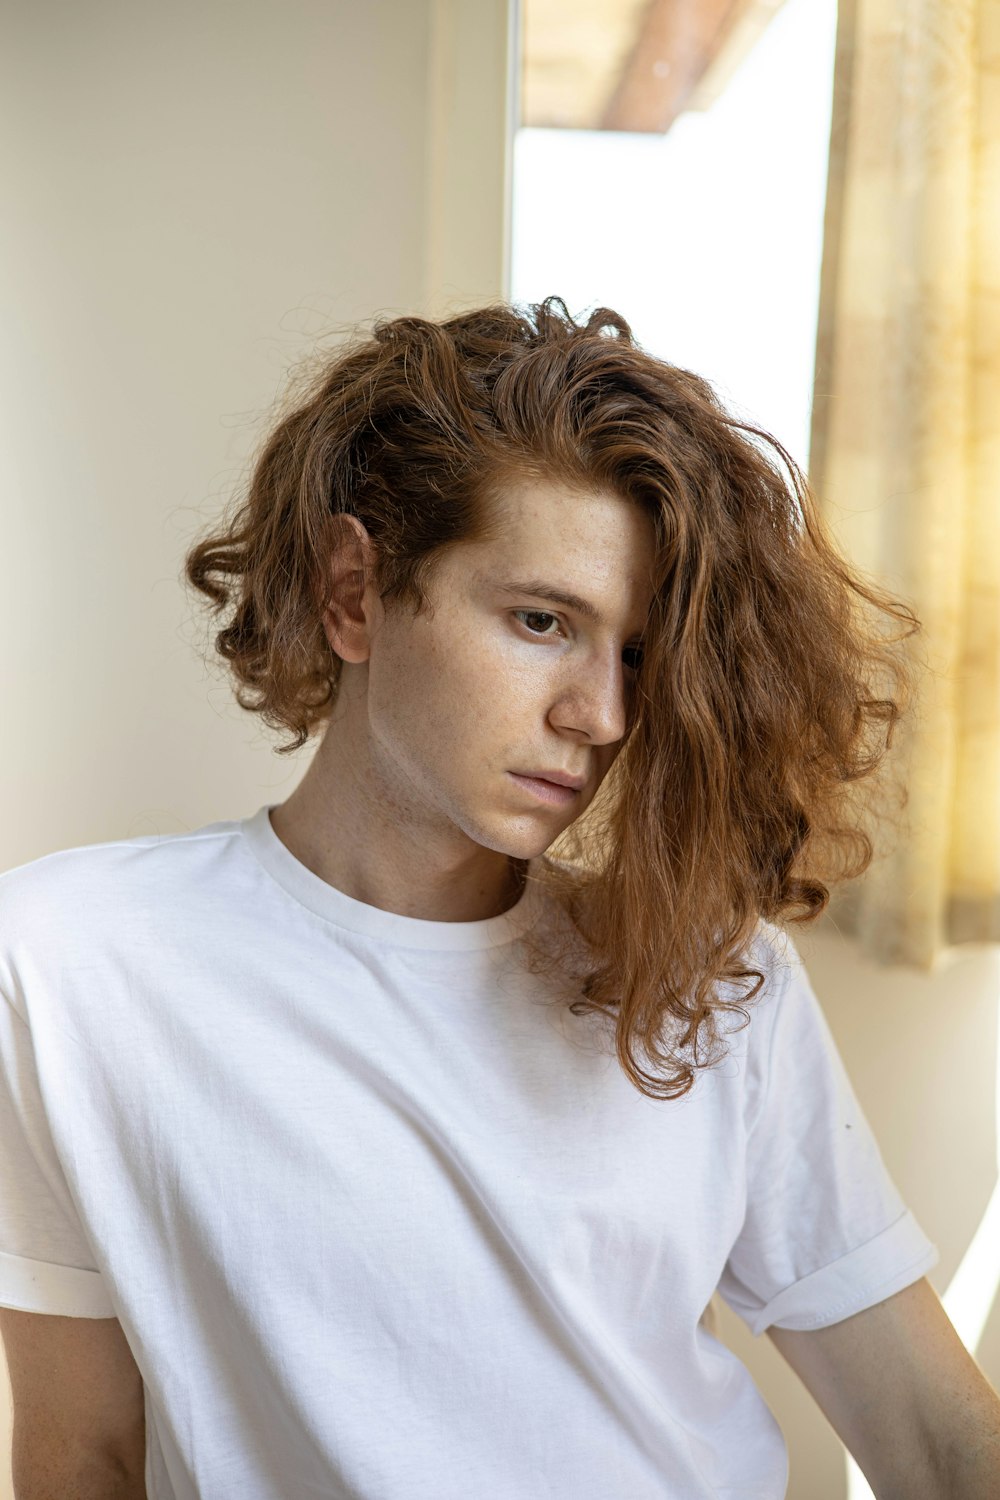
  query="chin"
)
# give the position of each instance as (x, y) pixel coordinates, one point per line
(527, 843)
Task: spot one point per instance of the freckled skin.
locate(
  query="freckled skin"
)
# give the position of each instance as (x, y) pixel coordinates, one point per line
(408, 804)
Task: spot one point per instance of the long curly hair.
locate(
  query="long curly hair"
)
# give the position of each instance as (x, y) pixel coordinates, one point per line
(767, 689)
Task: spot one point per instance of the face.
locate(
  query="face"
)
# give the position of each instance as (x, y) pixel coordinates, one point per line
(472, 700)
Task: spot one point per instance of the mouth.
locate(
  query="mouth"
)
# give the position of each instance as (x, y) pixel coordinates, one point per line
(546, 791)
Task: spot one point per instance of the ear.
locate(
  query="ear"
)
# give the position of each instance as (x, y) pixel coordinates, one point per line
(352, 609)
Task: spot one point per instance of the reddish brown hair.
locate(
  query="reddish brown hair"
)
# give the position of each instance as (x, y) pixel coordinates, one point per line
(767, 686)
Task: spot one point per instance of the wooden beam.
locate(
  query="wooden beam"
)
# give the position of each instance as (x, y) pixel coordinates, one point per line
(676, 44)
(631, 64)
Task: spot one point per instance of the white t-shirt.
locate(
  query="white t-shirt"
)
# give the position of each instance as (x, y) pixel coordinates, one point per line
(377, 1222)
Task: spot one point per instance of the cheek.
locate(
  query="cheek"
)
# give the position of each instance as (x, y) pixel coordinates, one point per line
(430, 699)
(479, 695)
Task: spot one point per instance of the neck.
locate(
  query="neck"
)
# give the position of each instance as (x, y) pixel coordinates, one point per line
(353, 834)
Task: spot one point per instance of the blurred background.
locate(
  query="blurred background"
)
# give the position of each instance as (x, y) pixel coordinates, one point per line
(798, 199)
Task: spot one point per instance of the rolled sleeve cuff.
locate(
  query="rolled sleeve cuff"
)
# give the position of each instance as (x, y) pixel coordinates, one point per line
(883, 1266)
(66, 1291)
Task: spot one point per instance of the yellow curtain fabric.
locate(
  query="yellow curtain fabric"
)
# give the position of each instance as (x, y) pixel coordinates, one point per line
(905, 453)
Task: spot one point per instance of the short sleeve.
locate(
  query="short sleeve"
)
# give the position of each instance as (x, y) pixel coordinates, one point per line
(46, 1263)
(826, 1233)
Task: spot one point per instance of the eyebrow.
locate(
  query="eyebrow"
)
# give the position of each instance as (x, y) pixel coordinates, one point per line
(538, 588)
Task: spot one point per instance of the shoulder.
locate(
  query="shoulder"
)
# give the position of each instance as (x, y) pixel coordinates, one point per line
(772, 949)
(754, 1023)
(88, 868)
(60, 901)
(772, 954)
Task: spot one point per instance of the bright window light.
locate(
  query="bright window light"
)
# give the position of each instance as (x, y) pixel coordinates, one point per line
(708, 239)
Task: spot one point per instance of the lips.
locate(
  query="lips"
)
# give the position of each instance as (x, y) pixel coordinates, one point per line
(557, 778)
(546, 791)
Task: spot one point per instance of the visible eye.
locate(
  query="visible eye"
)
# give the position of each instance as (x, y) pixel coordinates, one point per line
(632, 655)
(535, 614)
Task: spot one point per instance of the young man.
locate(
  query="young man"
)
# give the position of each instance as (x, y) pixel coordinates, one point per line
(329, 1163)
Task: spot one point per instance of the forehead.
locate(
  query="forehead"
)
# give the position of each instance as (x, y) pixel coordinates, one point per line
(592, 547)
(597, 529)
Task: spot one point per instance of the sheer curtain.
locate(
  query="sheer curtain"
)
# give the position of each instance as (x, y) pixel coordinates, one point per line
(905, 450)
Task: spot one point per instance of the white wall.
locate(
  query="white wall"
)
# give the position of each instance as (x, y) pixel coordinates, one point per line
(191, 196)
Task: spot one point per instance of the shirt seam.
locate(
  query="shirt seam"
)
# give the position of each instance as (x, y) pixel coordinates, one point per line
(787, 970)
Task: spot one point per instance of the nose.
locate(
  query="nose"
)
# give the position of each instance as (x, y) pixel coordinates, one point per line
(596, 700)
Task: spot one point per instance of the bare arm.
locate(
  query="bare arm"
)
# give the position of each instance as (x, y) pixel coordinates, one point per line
(79, 1419)
(905, 1397)
(52, 1474)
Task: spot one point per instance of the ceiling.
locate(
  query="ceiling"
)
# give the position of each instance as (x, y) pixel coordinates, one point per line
(631, 64)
